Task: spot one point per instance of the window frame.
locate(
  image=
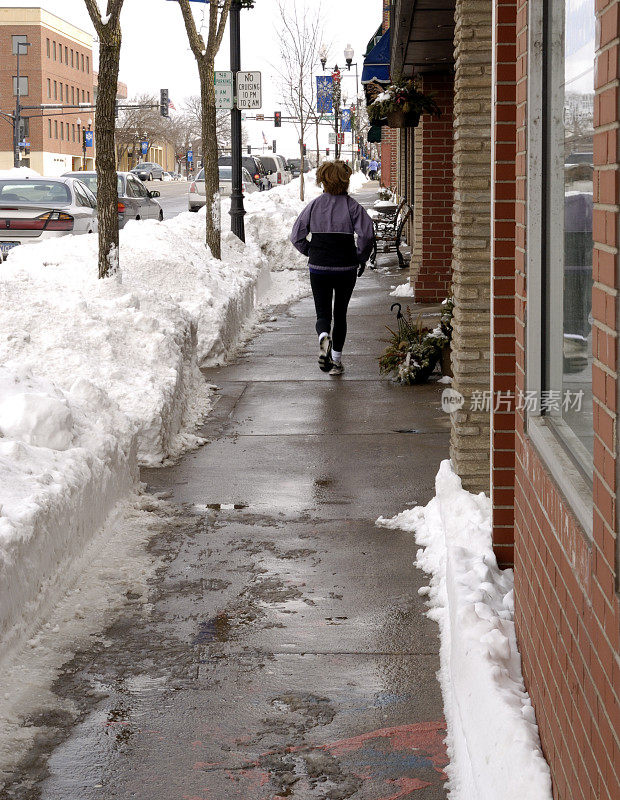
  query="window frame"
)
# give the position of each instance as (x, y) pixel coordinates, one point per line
(541, 430)
(22, 78)
(23, 38)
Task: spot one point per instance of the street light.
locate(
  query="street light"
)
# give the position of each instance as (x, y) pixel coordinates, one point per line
(348, 54)
(323, 56)
(18, 106)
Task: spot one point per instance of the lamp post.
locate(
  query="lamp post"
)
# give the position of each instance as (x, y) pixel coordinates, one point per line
(18, 106)
(237, 211)
(349, 53)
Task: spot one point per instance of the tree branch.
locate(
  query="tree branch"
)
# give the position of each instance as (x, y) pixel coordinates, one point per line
(95, 16)
(196, 42)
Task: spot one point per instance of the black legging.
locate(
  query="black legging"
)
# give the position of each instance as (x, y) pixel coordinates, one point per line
(333, 288)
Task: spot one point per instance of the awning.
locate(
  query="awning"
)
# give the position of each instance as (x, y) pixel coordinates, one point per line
(374, 133)
(377, 62)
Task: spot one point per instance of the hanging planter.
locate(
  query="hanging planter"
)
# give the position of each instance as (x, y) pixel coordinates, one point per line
(400, 105)
(403, 119)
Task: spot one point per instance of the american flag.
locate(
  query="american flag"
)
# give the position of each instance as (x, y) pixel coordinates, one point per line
(171, 105)
(264, 138)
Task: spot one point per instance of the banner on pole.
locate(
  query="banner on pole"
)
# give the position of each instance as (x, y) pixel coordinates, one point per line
(345, 124)
(324, 94)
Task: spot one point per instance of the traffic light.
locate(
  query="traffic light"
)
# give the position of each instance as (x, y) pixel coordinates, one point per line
(327, 151)
(274, 146)
(249, 149)
(277, 119)
(164, 103)
(305, 150)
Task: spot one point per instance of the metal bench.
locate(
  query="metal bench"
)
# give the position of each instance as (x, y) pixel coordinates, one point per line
(389, 231)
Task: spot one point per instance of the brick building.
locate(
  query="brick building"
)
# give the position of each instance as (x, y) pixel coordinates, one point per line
(57, 69)
(516, 198)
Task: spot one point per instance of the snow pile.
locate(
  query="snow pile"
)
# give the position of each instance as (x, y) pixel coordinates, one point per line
(56, 447)
(493, 740)
(404, 290)
(17, 173)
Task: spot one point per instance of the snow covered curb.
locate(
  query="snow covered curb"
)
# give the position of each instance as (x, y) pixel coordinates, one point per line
(493, 740)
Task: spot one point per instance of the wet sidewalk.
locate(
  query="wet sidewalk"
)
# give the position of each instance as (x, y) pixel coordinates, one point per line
(286, 653)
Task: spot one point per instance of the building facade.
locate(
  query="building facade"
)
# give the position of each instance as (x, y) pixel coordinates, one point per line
(516, 194)
(56, 69)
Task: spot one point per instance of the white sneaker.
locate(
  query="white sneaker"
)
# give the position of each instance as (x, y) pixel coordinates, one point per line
(325, 355)
(337, 368)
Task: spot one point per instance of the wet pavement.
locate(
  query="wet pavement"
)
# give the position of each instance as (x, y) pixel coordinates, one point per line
(284, 651)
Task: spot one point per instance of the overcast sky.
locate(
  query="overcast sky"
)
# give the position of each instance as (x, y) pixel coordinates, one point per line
(155, 53)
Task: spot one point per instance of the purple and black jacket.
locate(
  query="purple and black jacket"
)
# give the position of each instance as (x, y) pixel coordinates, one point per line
(333, 220)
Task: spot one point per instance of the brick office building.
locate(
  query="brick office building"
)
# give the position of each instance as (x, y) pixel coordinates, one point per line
(531, 163)
(56, 69)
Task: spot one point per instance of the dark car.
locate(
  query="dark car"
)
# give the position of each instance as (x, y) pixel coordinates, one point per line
(295, 166)
(134, 199)
(254, 166)
(149, 171)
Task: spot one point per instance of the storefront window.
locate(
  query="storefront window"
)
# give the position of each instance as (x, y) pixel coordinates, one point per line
(568, 184)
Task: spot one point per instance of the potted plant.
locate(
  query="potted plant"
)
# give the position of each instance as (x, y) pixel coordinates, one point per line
(401, 104)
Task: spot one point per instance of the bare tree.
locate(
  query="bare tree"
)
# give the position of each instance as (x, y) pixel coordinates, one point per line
(205, 53)
(193, 111)
(108, 30)
(300, 44)
(142, 122)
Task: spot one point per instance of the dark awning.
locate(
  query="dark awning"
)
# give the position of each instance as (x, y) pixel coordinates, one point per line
(377, 62)
(423, 36)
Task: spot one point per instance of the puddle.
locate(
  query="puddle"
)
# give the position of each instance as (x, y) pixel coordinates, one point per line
(216, 629)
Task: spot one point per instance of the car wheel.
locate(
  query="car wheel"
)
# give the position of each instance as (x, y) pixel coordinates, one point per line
(193, 208)
(161, 177)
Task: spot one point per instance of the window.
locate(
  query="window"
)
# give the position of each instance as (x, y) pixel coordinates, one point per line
(48, 47)
(88, 97)
(60, 87)
(71, 57)
(560, 244)
(55, 90)
(54, 50)
(62, 130)
(49, 87)
(73, 132)
(73, 95)
(83, 96)
(79, 132)
(66, 93)
(87, 64)
(23, 85)
(82, 61)
(49, 128)
(55, 129)
(66, 55)
(17, 40)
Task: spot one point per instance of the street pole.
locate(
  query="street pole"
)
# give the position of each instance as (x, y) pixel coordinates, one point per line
(336, 114)
(237, 211)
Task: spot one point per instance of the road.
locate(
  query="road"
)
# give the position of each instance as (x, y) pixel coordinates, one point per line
(173, 198)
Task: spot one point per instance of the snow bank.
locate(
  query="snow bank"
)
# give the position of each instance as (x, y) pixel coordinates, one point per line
(404, 290)
(66, 459)
(493, 740)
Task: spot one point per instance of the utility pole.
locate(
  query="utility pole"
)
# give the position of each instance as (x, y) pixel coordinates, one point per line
(237, 211)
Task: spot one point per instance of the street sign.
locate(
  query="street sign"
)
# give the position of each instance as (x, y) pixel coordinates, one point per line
(190, 156)
(332, 137)
(260, 117)
(249, 94)
(88, 138)
(223, 89)
(144, 148)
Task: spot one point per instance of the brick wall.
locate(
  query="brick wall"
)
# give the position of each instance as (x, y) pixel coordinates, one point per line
(567, 613)
(503, 278)
(389, 157)
(431, 263)
(471, 262)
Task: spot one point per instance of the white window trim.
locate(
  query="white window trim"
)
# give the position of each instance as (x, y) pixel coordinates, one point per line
(570, 480)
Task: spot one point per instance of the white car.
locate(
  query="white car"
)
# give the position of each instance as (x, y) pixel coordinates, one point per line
(196, 194)
(276, 169)
(167, 176)
(34, 208)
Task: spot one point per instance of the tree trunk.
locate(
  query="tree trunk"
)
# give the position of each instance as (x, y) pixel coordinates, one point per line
(302, 193)
(107, 196)
(209, 156)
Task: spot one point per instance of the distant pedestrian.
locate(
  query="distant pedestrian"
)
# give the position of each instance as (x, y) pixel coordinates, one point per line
(373, 168)
(334, 258)
(364, 166)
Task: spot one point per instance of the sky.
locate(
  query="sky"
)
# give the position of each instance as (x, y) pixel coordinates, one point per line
(155, 53)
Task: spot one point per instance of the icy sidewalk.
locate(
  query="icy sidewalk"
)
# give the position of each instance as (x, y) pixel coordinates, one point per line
(100, 376)
(493, 740)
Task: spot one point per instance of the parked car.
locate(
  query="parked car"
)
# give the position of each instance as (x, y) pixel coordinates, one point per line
(266, 177)
(287, 167)
(166, 177)
(295, 165)
(254, 167)
(33, 209)
(134, 199)
(149, 171)
(196, 194)
(276, 169)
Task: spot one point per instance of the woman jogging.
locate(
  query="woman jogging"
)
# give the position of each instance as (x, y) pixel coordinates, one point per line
(334, 258)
